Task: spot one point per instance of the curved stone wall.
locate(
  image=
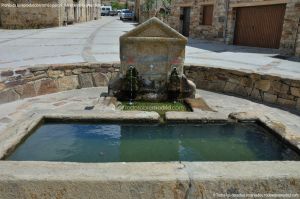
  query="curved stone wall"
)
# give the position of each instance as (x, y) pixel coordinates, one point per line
(29, 82)
(264, 88)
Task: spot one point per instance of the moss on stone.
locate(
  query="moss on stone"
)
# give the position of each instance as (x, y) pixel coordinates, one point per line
(159, 107)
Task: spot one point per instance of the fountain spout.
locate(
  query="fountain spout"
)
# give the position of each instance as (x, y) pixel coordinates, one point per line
(131, 83)
(174, 85)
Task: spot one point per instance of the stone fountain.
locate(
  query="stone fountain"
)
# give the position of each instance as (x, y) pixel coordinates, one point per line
(152, 58)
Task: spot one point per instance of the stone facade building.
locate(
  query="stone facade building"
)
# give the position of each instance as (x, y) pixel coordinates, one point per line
(258, 23)
(145, 10)
(229, 21)
(106, 2)
(50, 13)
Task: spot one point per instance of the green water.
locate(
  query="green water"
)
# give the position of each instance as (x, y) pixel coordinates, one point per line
(79, 142)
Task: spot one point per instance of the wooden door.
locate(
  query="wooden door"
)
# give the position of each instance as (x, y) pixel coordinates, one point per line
(259, 26)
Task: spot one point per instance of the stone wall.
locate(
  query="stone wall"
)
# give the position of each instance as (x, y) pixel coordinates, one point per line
(297, 49)
(83, 14)
(41, 17)
(223, 25)
(29, 82)
(31, 17)
(22, 83)
(197, 30)
(263, 88)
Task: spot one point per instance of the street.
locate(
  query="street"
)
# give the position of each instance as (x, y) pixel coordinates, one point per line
(98, 41)
(91, 41)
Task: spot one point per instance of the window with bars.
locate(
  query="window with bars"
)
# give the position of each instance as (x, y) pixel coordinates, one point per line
(207, 15)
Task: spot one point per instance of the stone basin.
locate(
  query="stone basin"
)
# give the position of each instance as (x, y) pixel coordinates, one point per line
(145, 179)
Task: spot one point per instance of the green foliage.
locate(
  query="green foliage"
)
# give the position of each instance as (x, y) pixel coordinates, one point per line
(159, 107)
(167, 6)
(117, 6)
(149, 5)
(167, 2)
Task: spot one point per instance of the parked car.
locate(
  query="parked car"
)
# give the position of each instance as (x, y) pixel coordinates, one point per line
(105, 10)
(126, 14)
(113, 13)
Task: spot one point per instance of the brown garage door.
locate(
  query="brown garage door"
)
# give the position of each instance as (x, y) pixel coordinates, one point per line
(259, 26)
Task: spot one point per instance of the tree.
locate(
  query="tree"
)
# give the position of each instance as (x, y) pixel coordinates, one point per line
(116, 5)
(167, 5)
(148, 5)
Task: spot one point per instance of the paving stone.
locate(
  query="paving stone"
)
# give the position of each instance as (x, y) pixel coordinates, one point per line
(286, 102)
(298, 104)
(38, 68)
(256, 94)
(198, 103)
(2, 86)
(85, 80)
(230, 87)
(68, 83)
(295, 91)
(241, 90)
(270, 98)
(55, 73)
(21, 71)
(39, 73)
(76, 71)
(286, 96)
(68, 72)
(45, 86)
(7, 73)
(295, 84)
(263, 85)
(26, 90)
(8, 95)
(5, 120)
(284, 88)
(60, 103)
(216, 85)
(100, 79)
(276, 86)
(38, 77)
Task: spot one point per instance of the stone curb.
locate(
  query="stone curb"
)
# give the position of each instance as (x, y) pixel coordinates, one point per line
(146, 180)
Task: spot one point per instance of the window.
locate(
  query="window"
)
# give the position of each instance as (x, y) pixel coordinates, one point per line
(207, 17)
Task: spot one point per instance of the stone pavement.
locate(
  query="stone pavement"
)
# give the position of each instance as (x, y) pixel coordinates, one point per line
(80, 99)
(258, 60)
(85, 42)
(99, 41)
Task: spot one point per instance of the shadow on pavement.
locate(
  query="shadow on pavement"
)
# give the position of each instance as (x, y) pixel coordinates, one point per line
(219, 47)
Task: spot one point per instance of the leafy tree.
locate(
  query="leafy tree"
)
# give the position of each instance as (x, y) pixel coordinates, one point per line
(116, 5)
(148, 5)
(167, 5)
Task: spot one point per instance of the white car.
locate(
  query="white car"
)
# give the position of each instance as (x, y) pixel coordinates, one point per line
(105, 10)
(126, 14)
